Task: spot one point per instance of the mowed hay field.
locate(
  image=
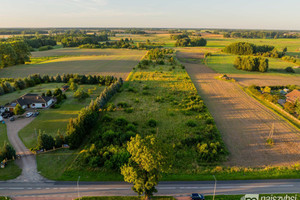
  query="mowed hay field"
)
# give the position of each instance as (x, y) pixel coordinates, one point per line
(244, 123)
(115, 62)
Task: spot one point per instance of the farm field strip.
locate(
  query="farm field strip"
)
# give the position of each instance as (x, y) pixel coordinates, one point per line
(245, 123)
(117, 63)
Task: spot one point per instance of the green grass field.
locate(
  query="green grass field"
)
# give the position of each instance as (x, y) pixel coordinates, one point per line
(116, 62)
(223, 63)
(50, 120)
(3, 134)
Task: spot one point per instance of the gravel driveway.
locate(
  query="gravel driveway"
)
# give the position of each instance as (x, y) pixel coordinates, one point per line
(28, 161)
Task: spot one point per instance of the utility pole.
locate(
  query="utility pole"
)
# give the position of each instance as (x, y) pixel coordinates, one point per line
(215, 187)
(78, 187)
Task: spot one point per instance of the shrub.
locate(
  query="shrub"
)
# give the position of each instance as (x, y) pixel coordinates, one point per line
(159, 99)
(145, 93)
(289, 107)
(289, 70)
(129, 110)
(123, 104)
(191, 123)
(209, 120)
(146, 87)
(107, 118)
(80, 94)
(121, 121)
(152, 123)
(110, 107)
(73, 86)
(131, 89)
(45, 141)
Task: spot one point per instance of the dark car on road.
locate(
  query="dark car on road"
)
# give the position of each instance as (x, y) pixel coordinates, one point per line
(196, 196)
(11, 119)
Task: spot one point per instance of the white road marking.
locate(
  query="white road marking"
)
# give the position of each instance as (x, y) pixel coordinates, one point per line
(15, 188)
(286, 185)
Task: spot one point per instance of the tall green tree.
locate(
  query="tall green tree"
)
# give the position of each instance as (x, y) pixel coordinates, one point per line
(18, 110)
(149, 158)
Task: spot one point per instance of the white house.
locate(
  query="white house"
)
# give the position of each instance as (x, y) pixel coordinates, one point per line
(31, 101)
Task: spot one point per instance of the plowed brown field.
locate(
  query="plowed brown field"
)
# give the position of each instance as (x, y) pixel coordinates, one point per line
(243, 122)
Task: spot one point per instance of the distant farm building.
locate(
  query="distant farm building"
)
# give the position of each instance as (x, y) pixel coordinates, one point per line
(31, 101)
(293, 96)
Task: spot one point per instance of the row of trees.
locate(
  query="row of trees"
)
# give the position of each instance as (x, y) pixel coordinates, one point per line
(251, 63)
(10, 85)
(78, 128)
(122, 43)
(259, 34)
(14, 53)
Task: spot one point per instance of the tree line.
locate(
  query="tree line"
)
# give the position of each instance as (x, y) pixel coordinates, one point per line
(77, 39)
(79, 128)
(11, 85)
(260, 34)
(251, 63)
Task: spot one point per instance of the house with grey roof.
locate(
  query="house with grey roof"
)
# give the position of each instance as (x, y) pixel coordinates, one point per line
(31, 101)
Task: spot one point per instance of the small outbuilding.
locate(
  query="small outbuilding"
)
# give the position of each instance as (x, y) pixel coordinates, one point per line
(65, 88)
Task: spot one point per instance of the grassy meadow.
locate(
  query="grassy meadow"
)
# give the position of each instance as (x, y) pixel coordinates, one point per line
(50, 120)
(153, 93)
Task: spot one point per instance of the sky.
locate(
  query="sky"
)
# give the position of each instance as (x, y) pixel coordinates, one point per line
(236, 14)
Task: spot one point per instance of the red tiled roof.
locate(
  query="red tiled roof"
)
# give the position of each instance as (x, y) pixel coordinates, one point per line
(293, 96)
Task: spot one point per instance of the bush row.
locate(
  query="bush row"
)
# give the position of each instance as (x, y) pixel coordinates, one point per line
(78, 128)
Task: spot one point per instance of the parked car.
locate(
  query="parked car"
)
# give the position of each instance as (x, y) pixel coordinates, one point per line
(36, 114)
(29, 114)
(12, 119)
(7, 115)
(196, 196)
(1, 118)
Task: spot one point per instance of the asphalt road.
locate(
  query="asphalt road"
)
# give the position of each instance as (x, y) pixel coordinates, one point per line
(69, 190)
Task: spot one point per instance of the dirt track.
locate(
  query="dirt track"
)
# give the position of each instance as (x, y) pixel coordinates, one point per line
(245, 123)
